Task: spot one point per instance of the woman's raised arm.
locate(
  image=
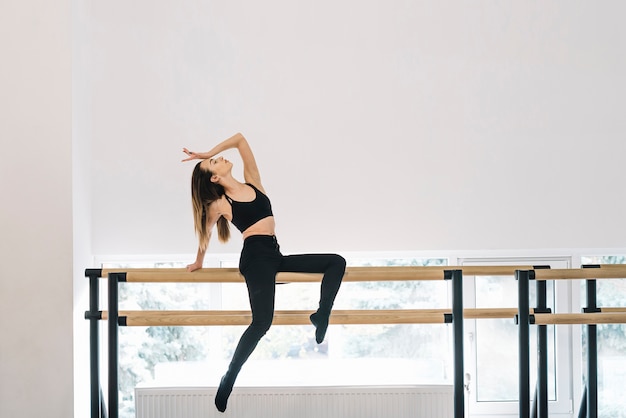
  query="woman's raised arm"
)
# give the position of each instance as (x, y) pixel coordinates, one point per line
(250, 169)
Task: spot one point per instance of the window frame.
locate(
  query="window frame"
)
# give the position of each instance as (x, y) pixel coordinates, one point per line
(563, 336)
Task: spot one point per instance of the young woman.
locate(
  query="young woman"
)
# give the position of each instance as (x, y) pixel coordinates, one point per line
(218, 198)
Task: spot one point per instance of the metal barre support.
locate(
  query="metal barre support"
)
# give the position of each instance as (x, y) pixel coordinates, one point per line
(542, 354)
(457, 315)
(523, 278)
(592, 353)
(114, 279)
(94, 350)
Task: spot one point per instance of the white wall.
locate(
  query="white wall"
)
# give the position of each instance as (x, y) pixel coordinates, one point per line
(405, 125)
(36, 369)
(82, 178)
(378, 126)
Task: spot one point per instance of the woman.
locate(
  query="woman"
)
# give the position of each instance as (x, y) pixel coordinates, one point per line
(218, 198)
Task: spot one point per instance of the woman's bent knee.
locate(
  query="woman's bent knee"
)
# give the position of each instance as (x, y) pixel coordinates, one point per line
(261, 325)
(339, 261)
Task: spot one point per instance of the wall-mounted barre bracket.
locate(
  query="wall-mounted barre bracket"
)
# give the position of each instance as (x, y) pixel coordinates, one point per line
(120, 276)
(542, 310)
(531, 319)
(93, 315)
(97, 273)
(531, 274)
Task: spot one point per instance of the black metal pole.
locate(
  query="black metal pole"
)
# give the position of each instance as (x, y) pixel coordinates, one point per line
(542, 353)
(94, 343)
(114, 279)
(542, 306)
(523, 277)
(592, 353)
(457, 314)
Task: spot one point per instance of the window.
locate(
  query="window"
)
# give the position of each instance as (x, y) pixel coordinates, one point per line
(350, 355)
(492, 351)
(611, 342)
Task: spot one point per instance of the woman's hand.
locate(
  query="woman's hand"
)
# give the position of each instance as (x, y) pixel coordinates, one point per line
(194, 266)
(195, 155)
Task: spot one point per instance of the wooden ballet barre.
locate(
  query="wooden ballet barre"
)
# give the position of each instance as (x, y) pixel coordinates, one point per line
(579, 318)
(353, 274)
(612, 309)
(583, 273)
(363, 274)
(222, 317)
(232, 275)
(286, 317)
(491, 313)
(611, 266)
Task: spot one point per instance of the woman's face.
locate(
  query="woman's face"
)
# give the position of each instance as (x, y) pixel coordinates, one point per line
(218, 166)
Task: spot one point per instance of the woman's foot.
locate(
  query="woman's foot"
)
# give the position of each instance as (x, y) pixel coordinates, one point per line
(223, 392)
(320, 320)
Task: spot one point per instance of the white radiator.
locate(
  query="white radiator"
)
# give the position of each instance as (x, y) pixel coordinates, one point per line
(299, 402)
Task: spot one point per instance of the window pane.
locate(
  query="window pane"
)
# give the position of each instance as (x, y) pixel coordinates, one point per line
(497, 349)
(426, 349)
(143, 349)
(611, 342)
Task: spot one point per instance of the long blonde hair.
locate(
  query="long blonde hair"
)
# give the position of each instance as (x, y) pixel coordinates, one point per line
(203, 193)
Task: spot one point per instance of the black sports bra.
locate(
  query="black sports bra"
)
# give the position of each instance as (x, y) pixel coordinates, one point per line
(246, 214)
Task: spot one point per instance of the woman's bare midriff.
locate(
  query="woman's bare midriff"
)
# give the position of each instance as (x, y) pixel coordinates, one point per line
(265, 226)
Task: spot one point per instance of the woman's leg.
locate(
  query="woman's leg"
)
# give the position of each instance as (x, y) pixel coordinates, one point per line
(261, 281)
(333, 266)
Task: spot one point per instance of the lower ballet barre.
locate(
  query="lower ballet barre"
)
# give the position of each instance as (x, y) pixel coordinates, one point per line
(579, 318)
(148, 318)
(226, 318)
(298, 317)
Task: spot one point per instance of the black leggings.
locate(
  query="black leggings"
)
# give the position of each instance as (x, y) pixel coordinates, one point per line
(260, 261)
